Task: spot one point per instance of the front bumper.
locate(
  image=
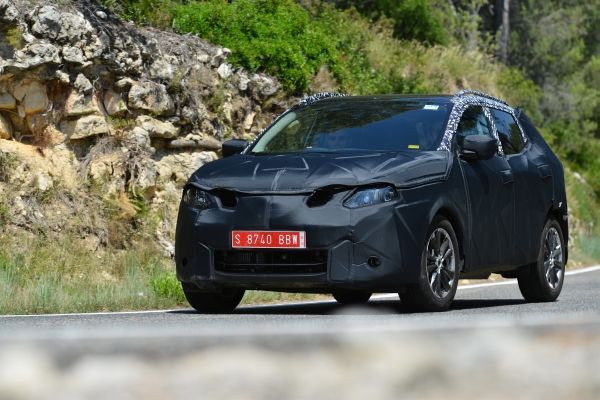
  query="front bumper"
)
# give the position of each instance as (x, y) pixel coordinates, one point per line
(347, 237)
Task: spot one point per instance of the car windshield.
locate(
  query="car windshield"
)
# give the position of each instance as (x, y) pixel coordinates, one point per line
(357, 126)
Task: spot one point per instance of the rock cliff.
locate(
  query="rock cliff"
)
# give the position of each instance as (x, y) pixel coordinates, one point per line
(72, 75)
(89, 101)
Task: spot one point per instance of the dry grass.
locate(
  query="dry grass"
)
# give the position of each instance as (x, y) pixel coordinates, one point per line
(61, 275)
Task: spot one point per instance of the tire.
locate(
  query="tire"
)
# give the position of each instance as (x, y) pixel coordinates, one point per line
(214, 303)
(438, 280)
(352, 296)
(546, 275)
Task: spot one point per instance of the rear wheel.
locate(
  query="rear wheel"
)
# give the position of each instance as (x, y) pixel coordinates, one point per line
(546, 276)
(223, 302)
(352, 297)
(438, 282)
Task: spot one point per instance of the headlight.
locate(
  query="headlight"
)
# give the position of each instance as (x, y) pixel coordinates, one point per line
(366, 197)
(195, 197)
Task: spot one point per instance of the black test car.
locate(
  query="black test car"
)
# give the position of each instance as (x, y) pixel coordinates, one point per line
(390, 193)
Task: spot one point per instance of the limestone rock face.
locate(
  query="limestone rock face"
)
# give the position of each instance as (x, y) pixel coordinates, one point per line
(108, 170)
(181, 166)
(84, 127)
(36, 122)
(80, 104)
(264, 86)
(146, 178)
(32, 56)
(4, 128)
(73, 27)
(46, 22)
(83, 84)
(113, 103)
(124, 83)
(243, 82)
(7, 101)
(43, 53)
(161, 69)
(8, 12)
(151, 97)
(141, 137)
(156, 128)
(96, 47)
(171, 85)
(32, 96)
(42, 182)
(224, 71)
(73, 55)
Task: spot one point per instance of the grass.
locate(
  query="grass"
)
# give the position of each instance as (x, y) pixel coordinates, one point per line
(46, 272)
(39, 276)
(253, 297)
(585, 251)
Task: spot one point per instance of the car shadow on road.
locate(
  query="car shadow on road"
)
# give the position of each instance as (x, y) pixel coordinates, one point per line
(373, 307)
(474, 304)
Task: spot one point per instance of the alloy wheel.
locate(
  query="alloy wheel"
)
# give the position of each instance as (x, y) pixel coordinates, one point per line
(553, 258)
(441, 263)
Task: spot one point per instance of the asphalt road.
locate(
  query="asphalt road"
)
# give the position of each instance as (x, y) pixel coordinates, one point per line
(490, 344)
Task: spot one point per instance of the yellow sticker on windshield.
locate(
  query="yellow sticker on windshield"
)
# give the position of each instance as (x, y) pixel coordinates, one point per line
(413, 146)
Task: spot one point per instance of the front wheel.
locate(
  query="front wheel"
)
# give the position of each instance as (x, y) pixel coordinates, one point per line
(438, 282)
(352, 297)
(546, 275)
(223, 302)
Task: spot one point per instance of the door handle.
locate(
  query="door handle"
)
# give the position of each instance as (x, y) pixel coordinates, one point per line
(507, 176)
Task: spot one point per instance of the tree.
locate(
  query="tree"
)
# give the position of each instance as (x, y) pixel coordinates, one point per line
(501, 27)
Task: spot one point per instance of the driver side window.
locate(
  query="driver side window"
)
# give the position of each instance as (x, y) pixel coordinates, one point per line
(472, 122)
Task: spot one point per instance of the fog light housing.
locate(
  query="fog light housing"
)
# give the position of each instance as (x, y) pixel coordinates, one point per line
(373, 262)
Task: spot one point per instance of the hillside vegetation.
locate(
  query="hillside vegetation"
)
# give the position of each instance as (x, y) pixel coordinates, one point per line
(550, 65)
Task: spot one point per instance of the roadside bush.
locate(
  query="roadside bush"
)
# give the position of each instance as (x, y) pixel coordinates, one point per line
(167, 286)
(275, 36)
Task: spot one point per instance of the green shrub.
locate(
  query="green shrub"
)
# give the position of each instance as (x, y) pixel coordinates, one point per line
(414, 20)
(167, 286)
(275, 36)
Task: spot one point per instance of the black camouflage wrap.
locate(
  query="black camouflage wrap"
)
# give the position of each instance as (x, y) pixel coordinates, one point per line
(497, 207)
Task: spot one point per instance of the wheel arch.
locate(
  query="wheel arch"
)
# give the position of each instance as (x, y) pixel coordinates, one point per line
(452, 216)
(564, 226)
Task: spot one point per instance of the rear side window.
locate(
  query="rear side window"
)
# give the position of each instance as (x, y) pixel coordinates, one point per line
(472, 122)
(508, 132)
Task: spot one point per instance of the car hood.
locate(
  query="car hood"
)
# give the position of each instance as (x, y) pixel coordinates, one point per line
(303, 173)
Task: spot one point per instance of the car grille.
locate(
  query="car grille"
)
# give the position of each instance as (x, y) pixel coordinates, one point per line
(271, 261)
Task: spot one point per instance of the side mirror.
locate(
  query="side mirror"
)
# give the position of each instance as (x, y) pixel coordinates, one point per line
(478, 147)
(233, 147)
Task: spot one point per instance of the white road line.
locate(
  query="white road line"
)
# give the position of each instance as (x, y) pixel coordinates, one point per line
(480, 285)
(305, 303)
(581, 271)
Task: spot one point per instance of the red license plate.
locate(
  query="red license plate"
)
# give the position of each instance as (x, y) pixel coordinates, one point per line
(268, 239)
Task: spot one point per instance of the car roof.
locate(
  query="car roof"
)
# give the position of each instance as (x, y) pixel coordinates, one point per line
(462, 95)
(388, 97)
